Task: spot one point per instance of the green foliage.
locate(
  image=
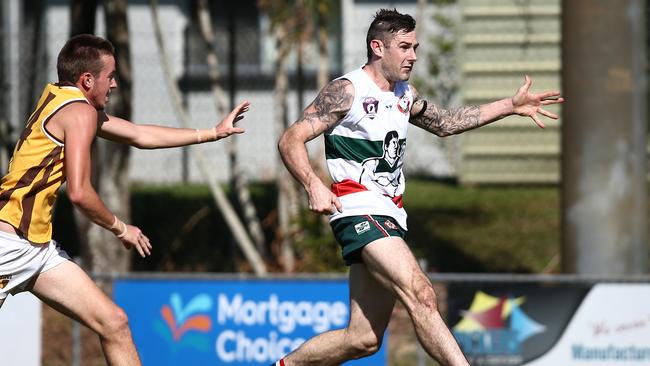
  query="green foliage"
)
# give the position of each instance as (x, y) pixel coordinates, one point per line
(486, 229)
(455, 228)
(317, 250)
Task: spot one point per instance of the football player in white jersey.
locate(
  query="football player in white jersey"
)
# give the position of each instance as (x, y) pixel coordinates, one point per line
(355, 112)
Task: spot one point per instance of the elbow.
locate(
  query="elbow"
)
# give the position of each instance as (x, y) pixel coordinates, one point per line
(141, 140)
(290, 143)
(284, 143)
(76, 196)
(444, 130)
(444, 133)
(142, 144)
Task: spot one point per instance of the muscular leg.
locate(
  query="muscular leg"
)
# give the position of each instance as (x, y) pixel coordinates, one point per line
(69, 290)
(390, 262)
(370, 308)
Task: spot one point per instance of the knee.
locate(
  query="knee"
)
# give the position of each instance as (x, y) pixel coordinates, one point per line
(116, 323)
(365, 345)
(426, 298)
(421, 296)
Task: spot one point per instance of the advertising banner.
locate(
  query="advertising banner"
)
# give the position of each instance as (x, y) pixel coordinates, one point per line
(611, 327)
(231, 322)
(541, 324)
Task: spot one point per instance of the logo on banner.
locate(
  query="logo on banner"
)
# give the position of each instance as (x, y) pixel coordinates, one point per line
(231, 322)
(495, 327)
(187, 325)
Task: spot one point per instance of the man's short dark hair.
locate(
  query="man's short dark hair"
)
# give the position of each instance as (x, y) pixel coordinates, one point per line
(81, 54)
(386, 24)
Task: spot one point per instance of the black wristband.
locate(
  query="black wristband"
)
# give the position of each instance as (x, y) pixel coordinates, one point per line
(421, 112)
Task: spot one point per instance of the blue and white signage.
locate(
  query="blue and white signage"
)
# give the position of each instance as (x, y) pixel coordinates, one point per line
(231, 322)
(611, 327)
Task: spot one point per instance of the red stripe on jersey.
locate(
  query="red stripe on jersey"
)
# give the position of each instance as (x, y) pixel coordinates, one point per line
(378, 225)
(347, 186)
(397, 200)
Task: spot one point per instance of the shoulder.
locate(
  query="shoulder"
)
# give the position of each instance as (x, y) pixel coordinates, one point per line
(342, 85)
(77, 115)
(336, 97)
(78, 110)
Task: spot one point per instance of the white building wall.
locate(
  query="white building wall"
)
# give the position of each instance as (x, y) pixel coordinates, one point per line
(257, 147)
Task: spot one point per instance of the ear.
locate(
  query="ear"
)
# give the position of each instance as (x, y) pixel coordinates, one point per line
(377, 47)
(87, 80)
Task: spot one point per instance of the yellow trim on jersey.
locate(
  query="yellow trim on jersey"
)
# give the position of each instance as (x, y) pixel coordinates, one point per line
(36, 172)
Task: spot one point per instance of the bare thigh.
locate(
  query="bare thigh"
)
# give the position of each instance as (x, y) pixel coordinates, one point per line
(68, 289)
(370, 303)
(391, 263)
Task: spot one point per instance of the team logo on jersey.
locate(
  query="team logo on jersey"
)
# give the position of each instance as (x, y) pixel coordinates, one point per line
(385, 171)
(4, 280)
(404, 104)
(362, 227)
(389, 224)
(370, 106)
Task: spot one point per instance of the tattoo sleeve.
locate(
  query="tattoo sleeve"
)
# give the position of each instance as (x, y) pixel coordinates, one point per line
(331, 104)
(445, 122)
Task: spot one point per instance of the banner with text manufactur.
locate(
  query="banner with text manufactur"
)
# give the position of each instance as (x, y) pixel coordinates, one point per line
(606, 324)
(231, 322)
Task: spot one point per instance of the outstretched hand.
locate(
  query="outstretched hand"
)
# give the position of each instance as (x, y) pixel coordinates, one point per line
(227, 127)
(529, 104)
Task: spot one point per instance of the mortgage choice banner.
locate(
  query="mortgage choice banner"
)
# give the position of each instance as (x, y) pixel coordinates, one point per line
(231, 322)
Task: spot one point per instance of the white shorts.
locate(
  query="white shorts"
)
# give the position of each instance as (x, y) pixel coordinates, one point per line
(21, 260)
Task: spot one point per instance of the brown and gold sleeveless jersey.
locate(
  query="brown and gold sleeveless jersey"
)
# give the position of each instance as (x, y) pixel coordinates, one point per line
(28, 191)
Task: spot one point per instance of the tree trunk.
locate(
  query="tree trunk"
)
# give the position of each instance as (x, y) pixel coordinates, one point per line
(101, 251)
(82, 17)
(287, 197)
(229, 215)
(114, 158)
(239, 184)
(323, 12)
(34, 57)
(82, 21)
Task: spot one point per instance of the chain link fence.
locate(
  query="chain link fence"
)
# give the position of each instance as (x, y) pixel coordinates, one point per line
(247, 73)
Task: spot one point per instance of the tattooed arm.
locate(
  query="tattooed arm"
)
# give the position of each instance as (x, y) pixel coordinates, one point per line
(444, 122)
(327, 110)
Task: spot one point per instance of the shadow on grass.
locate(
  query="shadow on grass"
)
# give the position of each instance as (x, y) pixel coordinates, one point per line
(442, 254)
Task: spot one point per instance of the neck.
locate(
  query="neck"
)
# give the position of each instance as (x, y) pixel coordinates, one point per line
(374, 72)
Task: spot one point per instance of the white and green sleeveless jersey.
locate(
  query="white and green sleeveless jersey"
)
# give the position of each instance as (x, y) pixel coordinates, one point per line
(365, 151)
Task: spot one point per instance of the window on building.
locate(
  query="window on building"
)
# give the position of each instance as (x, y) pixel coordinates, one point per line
(245, 44)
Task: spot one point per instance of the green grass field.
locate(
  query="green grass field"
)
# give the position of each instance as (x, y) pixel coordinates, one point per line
(484, 229)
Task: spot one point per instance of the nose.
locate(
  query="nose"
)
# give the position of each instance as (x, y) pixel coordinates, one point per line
(414, 56)
(113, 84)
